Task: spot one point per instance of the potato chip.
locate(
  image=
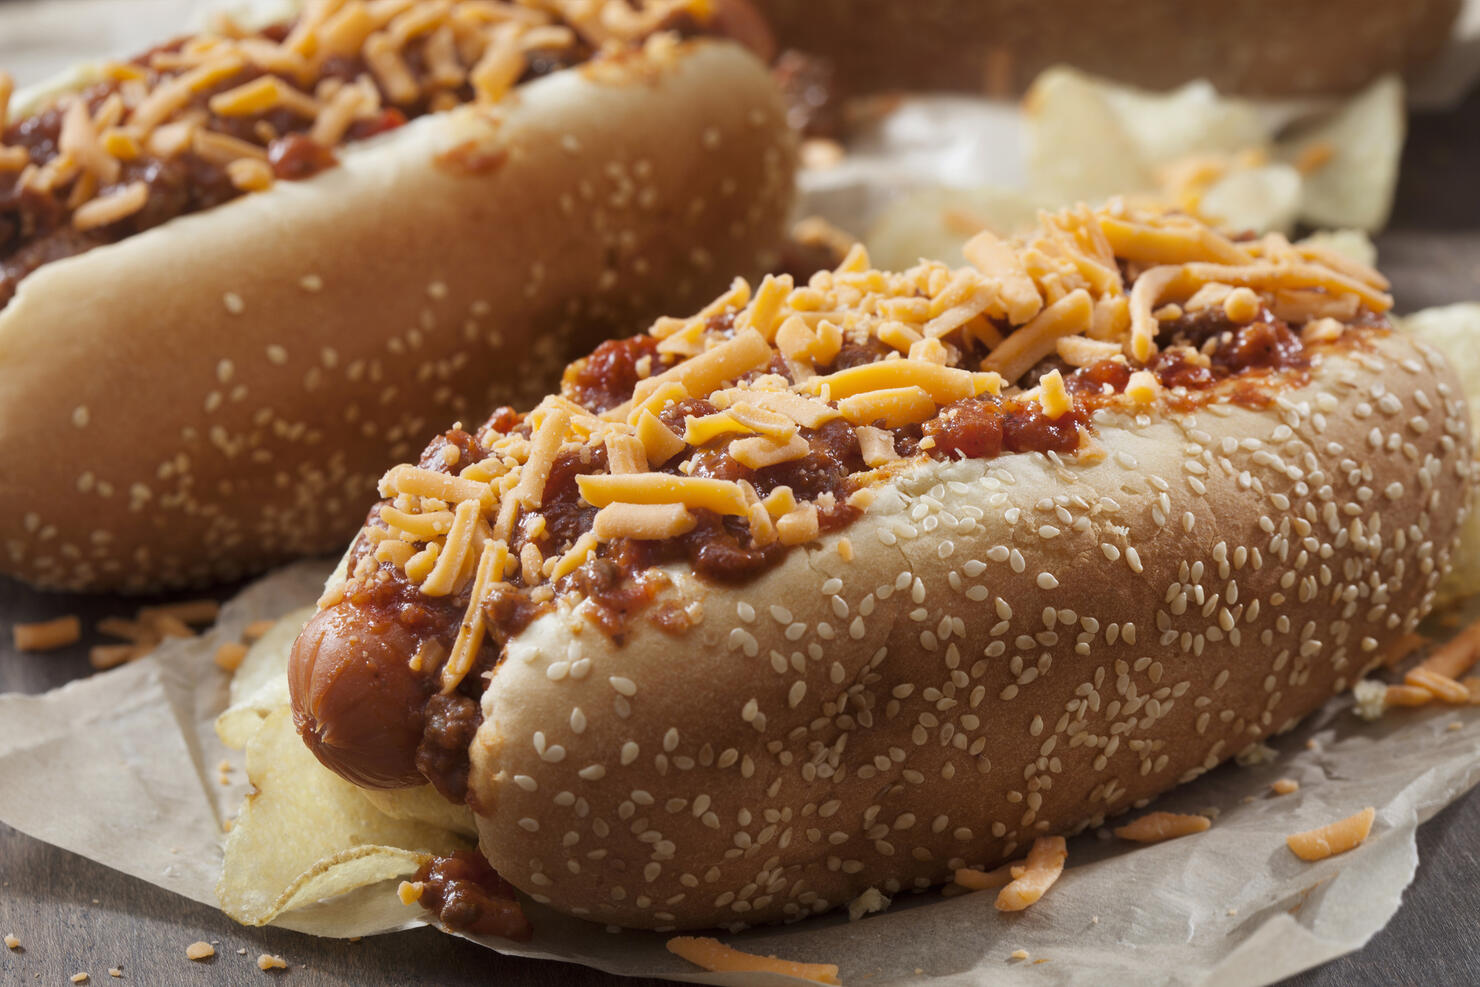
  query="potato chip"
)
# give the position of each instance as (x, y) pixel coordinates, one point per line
(1192, 119)
(1358, 149)
(1353, 244)
(936, 222)
(1258, 199)
(306, 835)
(1453, 329)
(1078, 148)
(260, 684)
(423, 805)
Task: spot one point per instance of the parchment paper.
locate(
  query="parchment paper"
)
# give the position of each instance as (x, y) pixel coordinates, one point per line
(123, 767)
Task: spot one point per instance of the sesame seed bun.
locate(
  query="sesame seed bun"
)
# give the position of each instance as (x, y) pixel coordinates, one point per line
(222, 392)
(1259, 48)
(1018, 647)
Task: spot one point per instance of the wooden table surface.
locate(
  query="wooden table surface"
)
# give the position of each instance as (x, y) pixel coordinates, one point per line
(74, 916)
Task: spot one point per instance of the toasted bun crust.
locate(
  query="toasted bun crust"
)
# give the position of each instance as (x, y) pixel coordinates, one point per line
(223, 392)
(1017, 647)
(1257, 47)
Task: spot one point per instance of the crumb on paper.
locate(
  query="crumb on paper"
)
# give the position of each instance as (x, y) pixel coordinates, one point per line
(1456, 725)
(1019, 954)
(199, 951)
(1284, 786)
(79, 978)
(1371, 699)
(267, 962)
(1312, 744)
(1094, 920)
(242, 951)
(115, 972)
(870, 901)
(1256, 754)
(11, 942)
(1233, 911)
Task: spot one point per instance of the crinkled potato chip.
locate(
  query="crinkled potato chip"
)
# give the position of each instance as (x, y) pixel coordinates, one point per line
(260, 684)
(1353, 244)
(1454, 329)
(423, 805)
(1359, 147)
(1077, 145)
(935, 222)
(1191, 119)
(1088, 139)
(1259, 199)
(306, 834)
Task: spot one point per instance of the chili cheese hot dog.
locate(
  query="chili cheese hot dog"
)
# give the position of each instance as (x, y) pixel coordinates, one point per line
(241, 274)
(854, 583)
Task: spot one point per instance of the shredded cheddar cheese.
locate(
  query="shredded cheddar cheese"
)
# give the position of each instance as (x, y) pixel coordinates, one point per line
(483, 46)
(1332, 838)
(1044, 865)
(1158, 826)
(720, 496)
(711, 954)
(739, 408)
(647, 521)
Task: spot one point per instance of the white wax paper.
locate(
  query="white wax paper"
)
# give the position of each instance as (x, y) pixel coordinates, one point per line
(122, 767)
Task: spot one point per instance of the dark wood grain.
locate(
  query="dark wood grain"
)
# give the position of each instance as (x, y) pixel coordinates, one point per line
(76, 916)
